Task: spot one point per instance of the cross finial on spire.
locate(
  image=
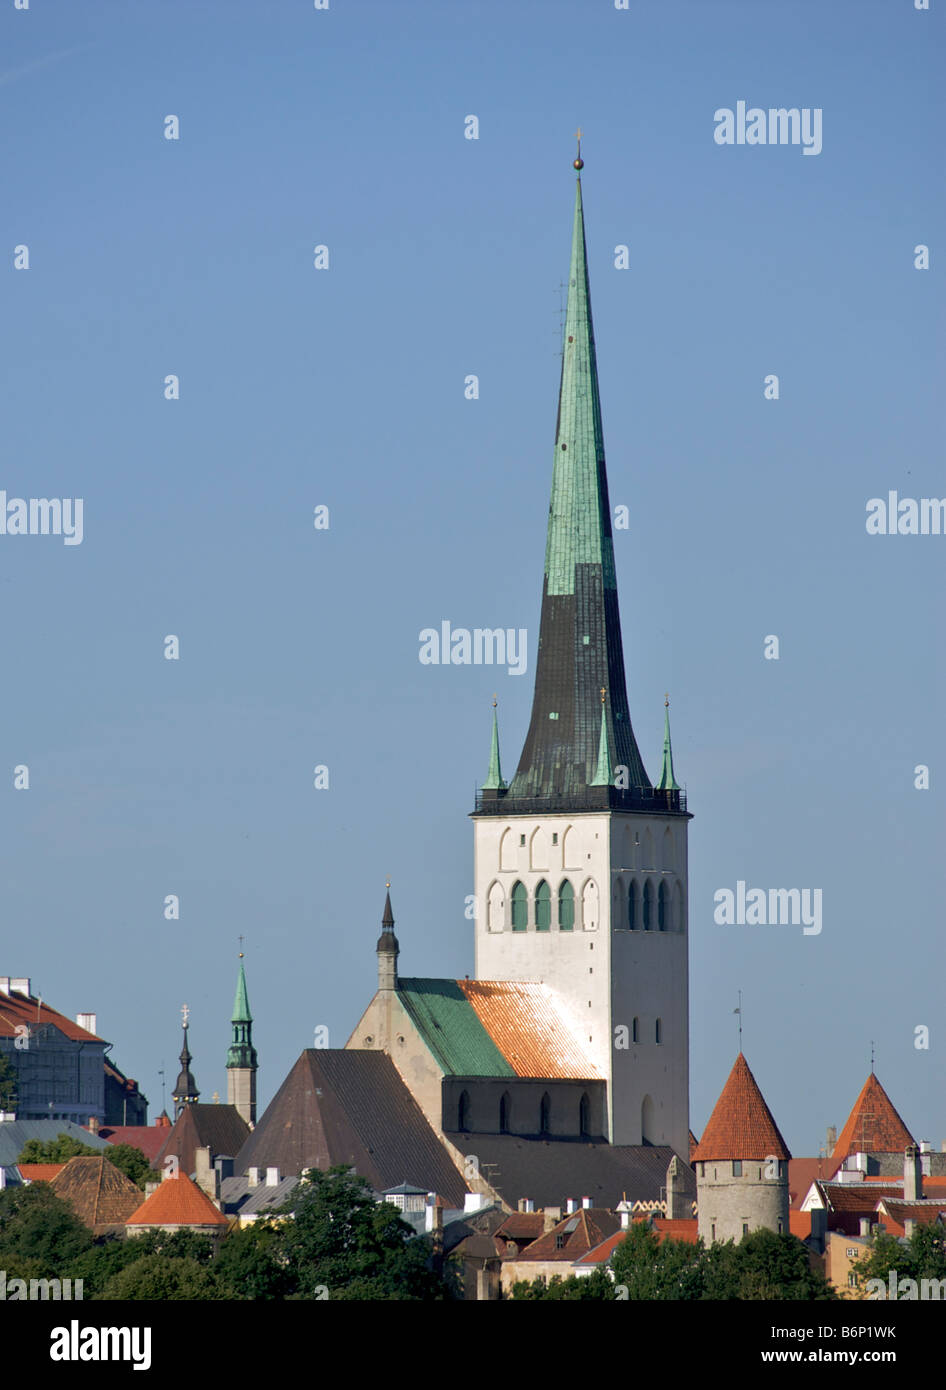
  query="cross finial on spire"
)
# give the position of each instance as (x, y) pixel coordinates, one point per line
(872, 1056)
(495, 701)
(185, 1015)
(739, 1012)
(666, 699)
(603, 693)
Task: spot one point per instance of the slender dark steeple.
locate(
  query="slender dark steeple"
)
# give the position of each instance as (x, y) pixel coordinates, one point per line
(185, 1089)
(580, 752)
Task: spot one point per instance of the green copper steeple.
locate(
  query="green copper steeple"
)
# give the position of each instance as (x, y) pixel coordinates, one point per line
(580, 647)
(667, 782)
(494, 778)
(241, 1052)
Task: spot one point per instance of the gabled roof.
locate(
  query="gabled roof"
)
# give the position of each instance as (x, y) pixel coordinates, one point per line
(101, 1195)
(741, 1125)
(349, 1107)
(446, 1020)
(17, 1010)
(873, 1126)
(14, 1134)
(221, 1128)
(177, 1202)
(574, 1235)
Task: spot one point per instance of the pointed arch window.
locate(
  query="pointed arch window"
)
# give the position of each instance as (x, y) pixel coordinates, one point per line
(663, 908)
(543, 907)
(584, 1116)
(566, 906)
(648, 906)
(634, 906)
(545, 1114)
(504, 1108)
(520, 906)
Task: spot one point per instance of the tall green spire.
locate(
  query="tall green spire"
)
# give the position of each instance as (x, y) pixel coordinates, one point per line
(602, 776)
(494, 778)
(241, 1052)
(667, 782)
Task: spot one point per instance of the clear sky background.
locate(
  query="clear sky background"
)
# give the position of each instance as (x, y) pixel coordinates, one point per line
(345, 387)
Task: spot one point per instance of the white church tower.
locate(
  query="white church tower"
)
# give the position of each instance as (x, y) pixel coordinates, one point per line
(581, 861)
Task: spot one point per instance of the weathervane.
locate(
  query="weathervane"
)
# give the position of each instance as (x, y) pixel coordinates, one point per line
(579, 163)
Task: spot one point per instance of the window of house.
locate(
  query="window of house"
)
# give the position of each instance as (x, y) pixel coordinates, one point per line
(559, 1241)
(745, 1228)
(737, 1167)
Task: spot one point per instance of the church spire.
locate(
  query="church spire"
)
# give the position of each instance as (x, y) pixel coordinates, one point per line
(580, 647)
(387, 947)
(603, 770)
(667, 782)
(494, 777)
(242, 1061)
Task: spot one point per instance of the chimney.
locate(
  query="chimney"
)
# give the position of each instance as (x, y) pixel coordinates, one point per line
(87, 1021)
(526, 1204)
(571, 1206)
(252, 1177)
(433, 1214)
(93, 1124)
(224, 1166)
(864, 1226)
(206, 1176)
(912, 1175)
(677, 1205)
(586, 1204)
(272, 1177)
(831, 1139)
(623, 1209)
(5, 989)
(551, 1216)
(909, 1226)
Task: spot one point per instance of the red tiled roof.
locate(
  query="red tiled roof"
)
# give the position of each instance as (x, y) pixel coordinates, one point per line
(592, 1225)
(681, 1228)
(799, 1224)
(873, 1126)
(39, 1172)
(856, 1196)
(525, 1023)
(16, 1009)
(802, 1172)
(522, 1224)
(148, 1138)
(741, 1125)
(177, 1202)
(694, 1145)
(896, 1213)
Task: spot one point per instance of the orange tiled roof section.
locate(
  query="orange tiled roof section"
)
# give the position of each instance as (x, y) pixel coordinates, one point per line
(177, 1202)
(16, 1009)
(526, 1025)
(873, 1126)
(741, 1125)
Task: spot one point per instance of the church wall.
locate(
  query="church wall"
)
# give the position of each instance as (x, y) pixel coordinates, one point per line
(525, 1101)
(386, 1026)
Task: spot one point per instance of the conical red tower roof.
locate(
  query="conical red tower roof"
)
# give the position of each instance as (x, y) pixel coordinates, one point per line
(741, 1125)
(177, 1202)
(873, 1126)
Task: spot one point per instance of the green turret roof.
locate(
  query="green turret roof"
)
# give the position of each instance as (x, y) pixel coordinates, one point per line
(241, 1052)
(603, 770)
(494, 778)
(667, 781)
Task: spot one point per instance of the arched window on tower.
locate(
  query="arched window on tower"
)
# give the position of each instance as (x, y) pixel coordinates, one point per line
(520, 906)
(584, 1116)
(634, 906)
(545, 1114)
(543, 907)
(463, 1112)
(658, 1032)
(649, 905)
(504, 1108)
(566, 906)
(635, 1031)
(663, 908)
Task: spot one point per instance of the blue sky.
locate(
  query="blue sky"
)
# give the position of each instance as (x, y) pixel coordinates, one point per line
(345, 387)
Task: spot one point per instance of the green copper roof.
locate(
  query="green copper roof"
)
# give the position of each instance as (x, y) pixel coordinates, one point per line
(579, 524)
(494, 778)
(241, 1052)
(241, 1004)
(447, 1022)
(667, 782)
(603, 770)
